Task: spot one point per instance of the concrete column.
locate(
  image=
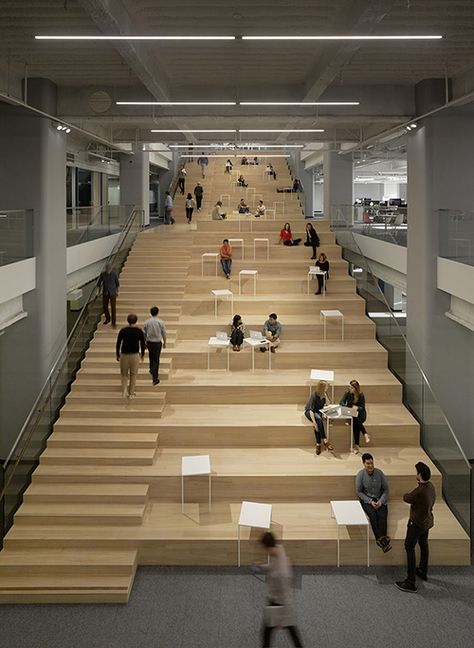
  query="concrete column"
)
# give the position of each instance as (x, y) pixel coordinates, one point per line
(135, 181)
(306, 179)
(33, 172)
(337, 181)
(440, 162)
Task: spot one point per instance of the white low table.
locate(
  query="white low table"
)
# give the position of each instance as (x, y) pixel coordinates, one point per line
(241, 242)
(349, 513)
(217, 343)
(251, 273)
(333, 314)
(342, 413)
(223, 293)
(207, 256)
(252, 342)
(319, 374)
(253, 514)
(195, 465)
(314, 271)
(262, 240)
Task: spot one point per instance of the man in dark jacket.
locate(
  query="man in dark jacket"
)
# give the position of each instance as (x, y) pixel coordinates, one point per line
(198, 191)
(109, 282)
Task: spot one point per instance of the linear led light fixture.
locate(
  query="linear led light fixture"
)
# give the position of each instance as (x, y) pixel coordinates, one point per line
(192, 130)
(299, 103)
(175, 103)
(237, 146)
(134, 37)
(282, 130)
(396, 37)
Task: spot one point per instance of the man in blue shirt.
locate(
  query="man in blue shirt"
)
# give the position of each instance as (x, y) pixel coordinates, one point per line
(372, 490)
(271, 331)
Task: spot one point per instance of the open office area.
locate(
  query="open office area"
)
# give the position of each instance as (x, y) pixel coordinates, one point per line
(236, 323)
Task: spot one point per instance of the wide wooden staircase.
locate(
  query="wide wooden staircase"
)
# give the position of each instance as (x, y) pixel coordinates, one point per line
(107, 493)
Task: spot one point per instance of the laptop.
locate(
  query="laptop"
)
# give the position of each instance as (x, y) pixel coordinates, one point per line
(222, 335)
(256, 335)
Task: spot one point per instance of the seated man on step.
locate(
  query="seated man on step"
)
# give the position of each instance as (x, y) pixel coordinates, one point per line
(271, 331)
(372, 490)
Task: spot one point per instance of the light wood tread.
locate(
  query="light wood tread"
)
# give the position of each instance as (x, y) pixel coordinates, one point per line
(61, 583)
(80, 492)
(113, 397)
(100, 455)
(80, 510)
(103, 440)
(349, 347)
(67, 557)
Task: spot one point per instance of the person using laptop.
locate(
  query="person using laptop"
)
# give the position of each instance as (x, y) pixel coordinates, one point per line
(372, 490)
(271, 332)
(237, 333)
(312, 412)
(355, 399)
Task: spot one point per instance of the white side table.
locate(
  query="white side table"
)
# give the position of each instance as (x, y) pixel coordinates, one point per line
(270, 211)
(252, 342)
(196, 465)
(241, 242)
(342, 413)
(314, 271)
(319, 374)
(262, 240)
(336, 314)
(206, 256)
(282, 207)
(223, 293)
(253, 514)
(217, 343)
(227, 197)
(250, 273)
(349, 513)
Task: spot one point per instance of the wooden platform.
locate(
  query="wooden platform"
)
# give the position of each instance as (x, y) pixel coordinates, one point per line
(106, 495)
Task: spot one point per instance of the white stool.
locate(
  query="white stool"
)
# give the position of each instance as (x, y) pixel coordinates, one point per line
(223, 293)
(253, 514)
(205, 257)
(262, 240)
(254, 274)
(314, 271)
(196, 465)
(319, 374)
(226, 196)
(349, 513)
(324, 314)
(282, 207)
(270, 211)
(240, 241)
(258, 343)
(217, 343)
(341, 413)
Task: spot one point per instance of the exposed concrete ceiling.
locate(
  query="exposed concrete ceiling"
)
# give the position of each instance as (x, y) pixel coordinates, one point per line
(379, 75)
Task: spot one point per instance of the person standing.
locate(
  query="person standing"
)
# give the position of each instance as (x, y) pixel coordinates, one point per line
(312, 239)
(169, 220)
(109, 282)
(190, 205)
(182, 180)
(129, 348)
(203, 161)
(372, 490)
(155, 339)
(198, 191)
(225, 251)
(278, 577)
(421, 500)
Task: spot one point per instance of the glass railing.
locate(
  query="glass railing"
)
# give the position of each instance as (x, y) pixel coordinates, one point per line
(384, 223)
(90, 223)
(16, 235)
(456, 235)
(436, 434)
(31, 441)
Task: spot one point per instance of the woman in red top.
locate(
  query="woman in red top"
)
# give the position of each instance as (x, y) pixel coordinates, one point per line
(286, 237)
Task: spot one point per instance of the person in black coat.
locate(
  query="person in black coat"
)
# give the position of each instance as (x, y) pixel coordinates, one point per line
(312, 239)
(323, 264)
(313, 413)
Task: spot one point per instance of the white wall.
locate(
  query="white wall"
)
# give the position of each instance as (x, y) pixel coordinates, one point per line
(16, 279)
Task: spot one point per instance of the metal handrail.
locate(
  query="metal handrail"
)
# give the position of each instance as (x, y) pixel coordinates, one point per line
(62, 359)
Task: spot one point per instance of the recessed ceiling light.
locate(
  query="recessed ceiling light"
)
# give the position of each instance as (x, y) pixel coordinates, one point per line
(282, 130)
(299, 103)
(175, 103)
(135, 37)
(193, 130)
(346, 37)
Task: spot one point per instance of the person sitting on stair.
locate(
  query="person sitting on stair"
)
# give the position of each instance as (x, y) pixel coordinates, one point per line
(313, 413)
(237, 333)
(372, 490)
(271, 331)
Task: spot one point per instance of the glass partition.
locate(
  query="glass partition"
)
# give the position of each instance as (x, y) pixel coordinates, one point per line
(16, 235)
(90, 223)
(436, 434)
(31, 441)
(387, 223)
(456, 235)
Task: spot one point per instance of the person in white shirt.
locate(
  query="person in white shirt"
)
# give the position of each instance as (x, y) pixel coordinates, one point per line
(182, 179)
(169, 220)
(217, 213)
(155, 339)
(261, 209)
(190, 204)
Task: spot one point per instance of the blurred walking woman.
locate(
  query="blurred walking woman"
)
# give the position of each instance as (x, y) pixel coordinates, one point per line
(354, 397)
(190, 205)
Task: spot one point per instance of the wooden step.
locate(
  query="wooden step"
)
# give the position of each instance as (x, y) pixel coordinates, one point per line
(77, 397)
(68, 562)
(113, 372)
(79, 514)
(82, 493)
(129, 409)
(107, 425)
(102, 439)
(97, 456)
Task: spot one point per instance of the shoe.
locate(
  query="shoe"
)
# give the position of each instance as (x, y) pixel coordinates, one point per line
(227, 276)
(367, 438)
(328, 446)
(421, 574)
(263, 349)
(238, 348)
(318, 448)
(272, 349)
(387, 548)
(156, 382)
(355, 450)
(406, 586)
(379, 543)
(312, 257)
(125, 393)
(318, 293)
(132, 396)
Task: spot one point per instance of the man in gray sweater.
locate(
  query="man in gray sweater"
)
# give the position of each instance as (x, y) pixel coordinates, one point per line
(372, 490)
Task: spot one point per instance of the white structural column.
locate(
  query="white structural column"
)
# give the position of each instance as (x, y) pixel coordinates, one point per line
(440, 163)
(33, 172)
(337, 180)
(135, 181)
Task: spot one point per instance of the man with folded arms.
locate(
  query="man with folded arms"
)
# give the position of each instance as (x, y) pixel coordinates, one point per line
(372, 490)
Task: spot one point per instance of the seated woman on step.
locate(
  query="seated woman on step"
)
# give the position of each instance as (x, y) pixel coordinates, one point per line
(323, 264)
(355, 398)
(313, 413)
(286, 237)
(237, 333)
(242, 207)
(242, 182)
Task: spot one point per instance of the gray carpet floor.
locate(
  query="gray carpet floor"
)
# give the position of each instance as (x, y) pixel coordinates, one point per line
(173, 607)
